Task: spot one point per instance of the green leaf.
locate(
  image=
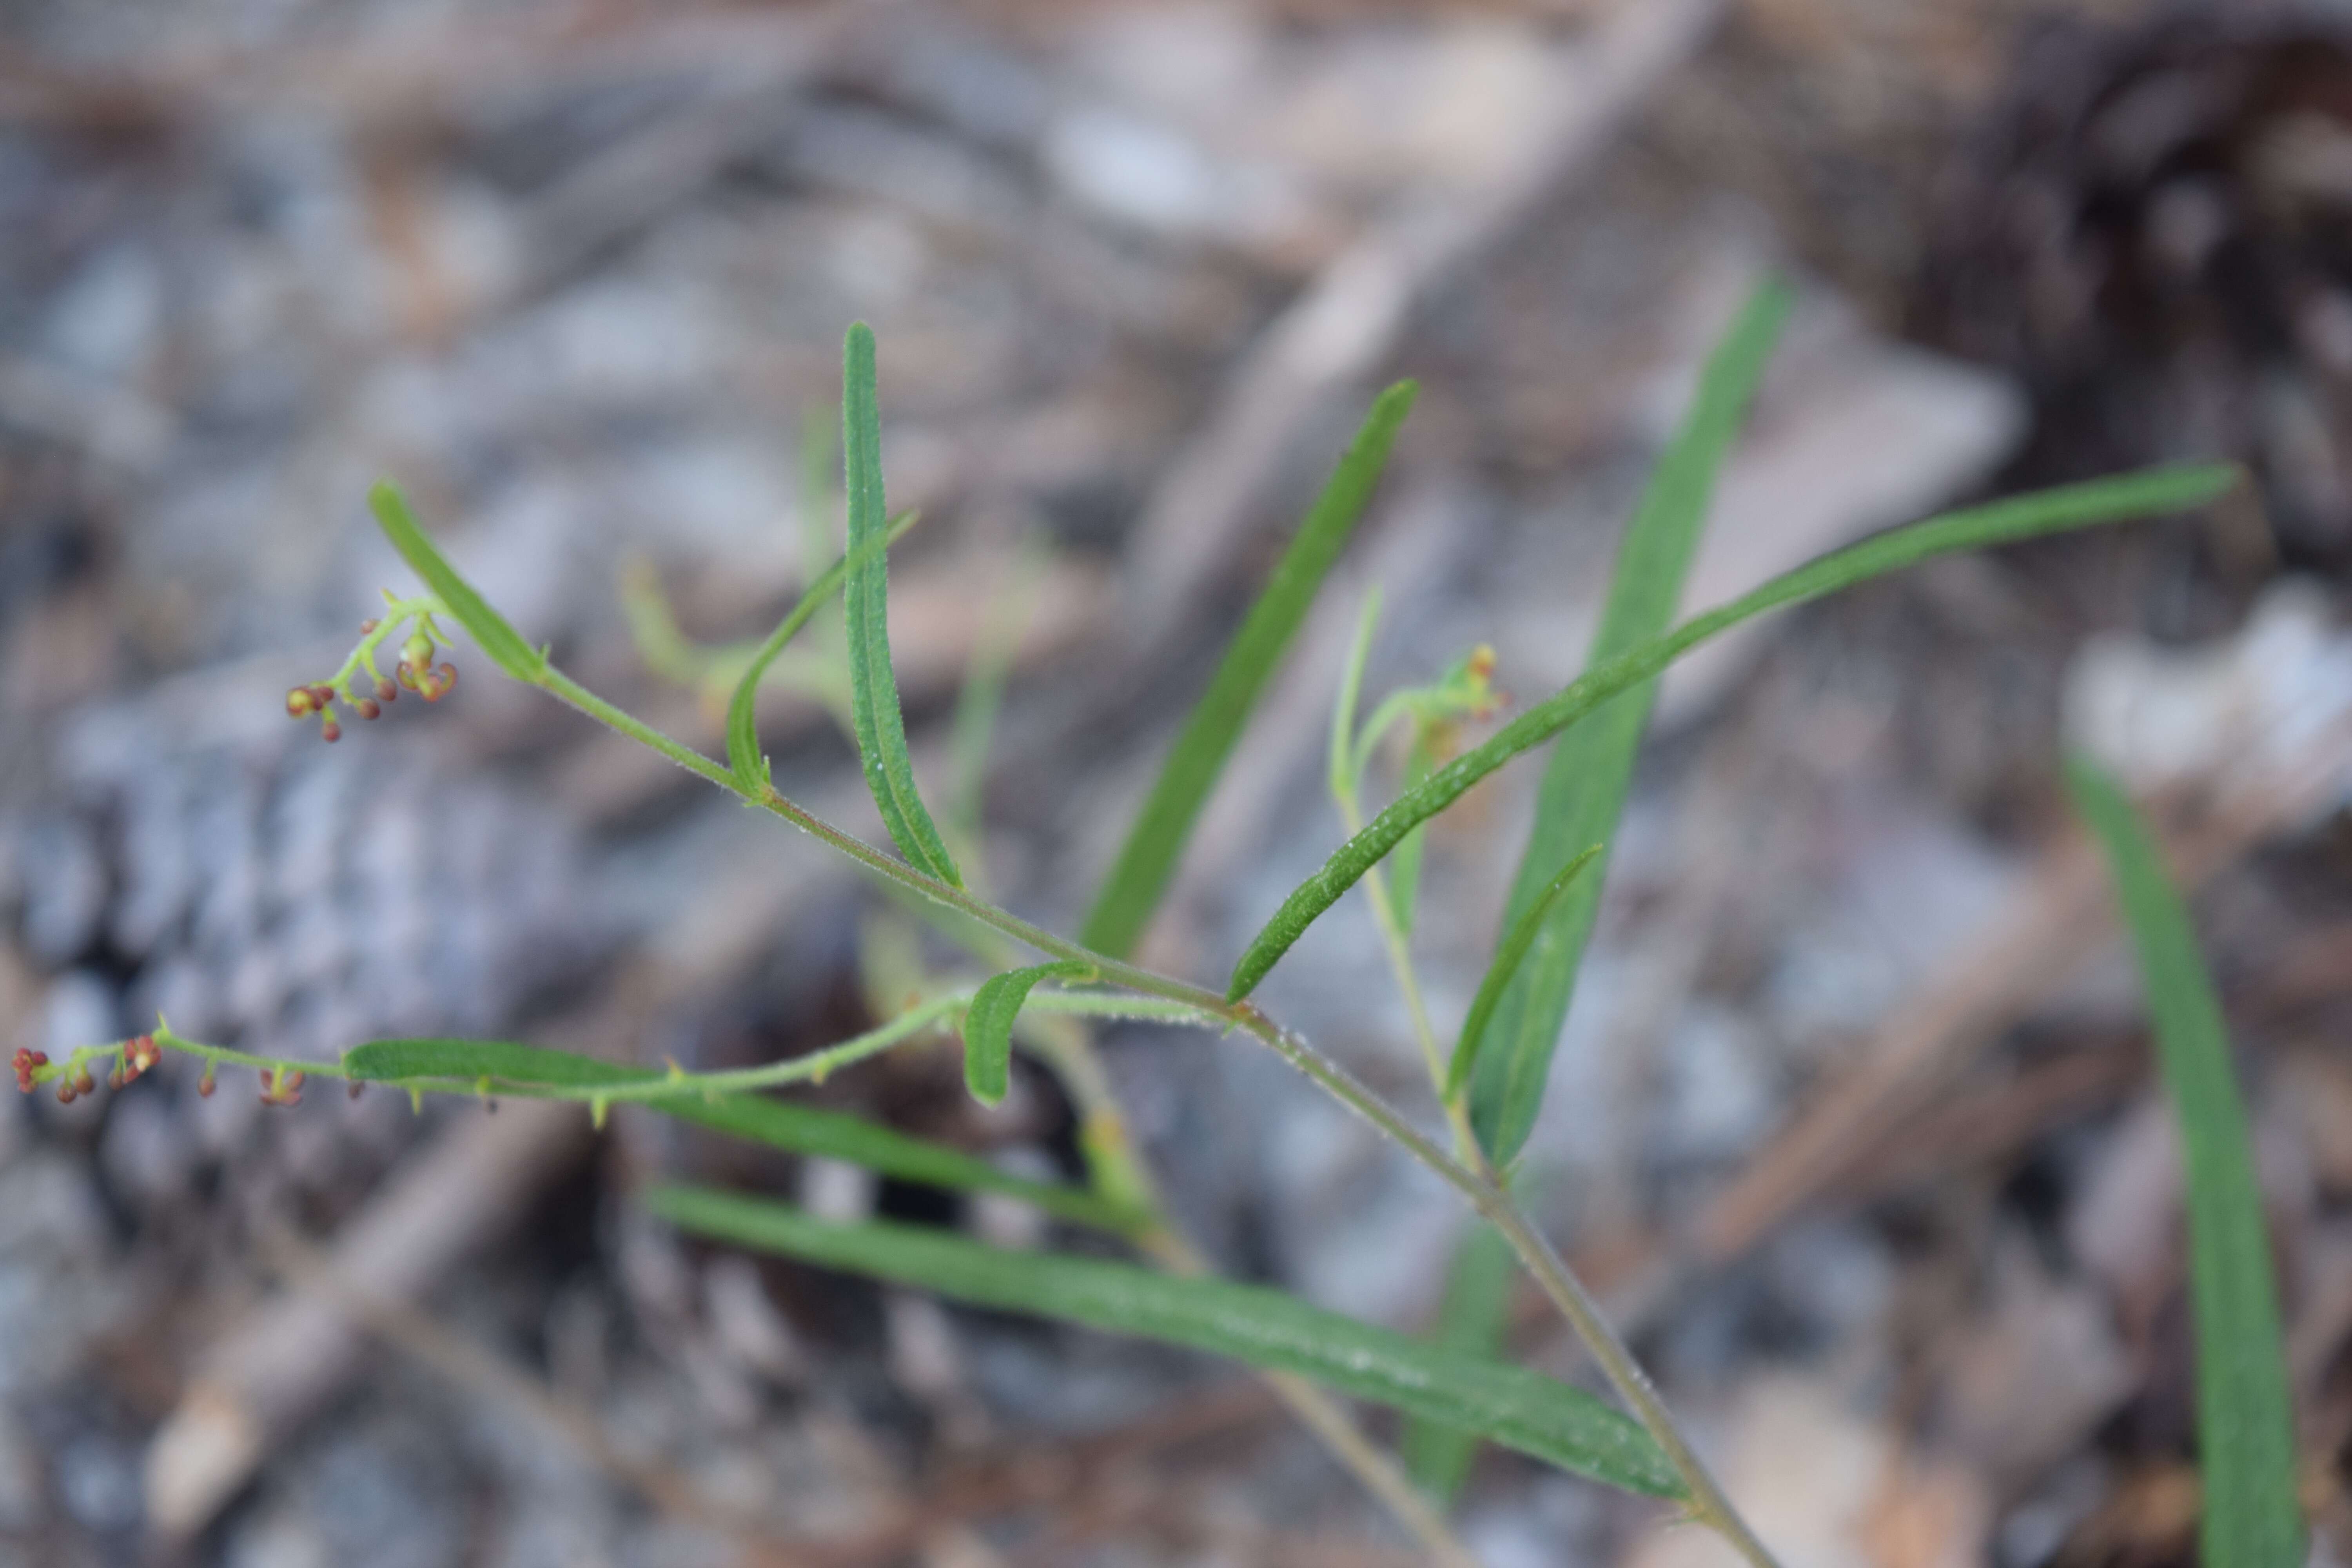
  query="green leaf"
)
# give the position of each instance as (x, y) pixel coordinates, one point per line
(1147, 860)
(1478, 1294)
(2021, 517)
(985, 677)
(1516, 1408)
(803, 1130)
(488, 629)
(1510, 954)
(2245, 1428)
(781, 1124)
(503, 1062)
(1341, 760)
(988, 1027)
(1405, 862)
(1591, 767)
(873, 685)
(742, 709)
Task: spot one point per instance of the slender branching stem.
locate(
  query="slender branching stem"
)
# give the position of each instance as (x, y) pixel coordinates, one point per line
(677, 1084)
(1476, 1181)
(1173, 1001)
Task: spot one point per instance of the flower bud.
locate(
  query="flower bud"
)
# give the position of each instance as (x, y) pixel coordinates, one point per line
(368, 708)
(407, 674)
(368, 626)
(386, 692)
(417, 651)
(298, 703)
(330, 730)
(205, 1085)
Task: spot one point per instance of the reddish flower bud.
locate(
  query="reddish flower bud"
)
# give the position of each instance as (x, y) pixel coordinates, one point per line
(67, 1092)
(298, 703)
(24, 1061)
(368, 708)
(330, 731)
(322, 695)
(407, 674)
(386, 692)
(368, 626)
(115, 1078)
(82, 1082)
(205, 1085)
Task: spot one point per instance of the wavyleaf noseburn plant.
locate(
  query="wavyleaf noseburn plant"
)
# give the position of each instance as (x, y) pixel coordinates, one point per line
(1441, 1385)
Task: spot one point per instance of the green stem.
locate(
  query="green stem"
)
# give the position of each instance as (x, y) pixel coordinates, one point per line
(1199, 1004)
(814, 1067)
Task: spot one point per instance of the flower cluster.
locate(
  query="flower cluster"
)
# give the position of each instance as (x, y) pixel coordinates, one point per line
(281, 1082)
(137, 1056)
(282, 1085)
(362, 689)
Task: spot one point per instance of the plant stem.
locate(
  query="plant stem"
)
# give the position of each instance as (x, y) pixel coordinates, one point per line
(1120, 1176)
(1165, 1242)
(1477, 1182)
(1709, 1505)
(814, 1067)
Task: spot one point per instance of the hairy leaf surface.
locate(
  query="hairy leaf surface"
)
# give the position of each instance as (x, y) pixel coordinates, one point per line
(873, 684)
(988, 1027)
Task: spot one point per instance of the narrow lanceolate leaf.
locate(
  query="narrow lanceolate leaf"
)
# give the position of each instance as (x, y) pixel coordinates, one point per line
(504, 646)
(873, 685)
(1507, 1405)
(781, 1124)
(1478, 1294)
(1509, 955)
(2245, 1428)
(1147, 860)
(1591, 767)
(988, 1027)
(505, 1063)
(742, 709)
(2068, 507)
(835, 1135)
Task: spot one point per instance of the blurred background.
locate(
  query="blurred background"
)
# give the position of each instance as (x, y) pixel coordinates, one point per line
(1853, 1123)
